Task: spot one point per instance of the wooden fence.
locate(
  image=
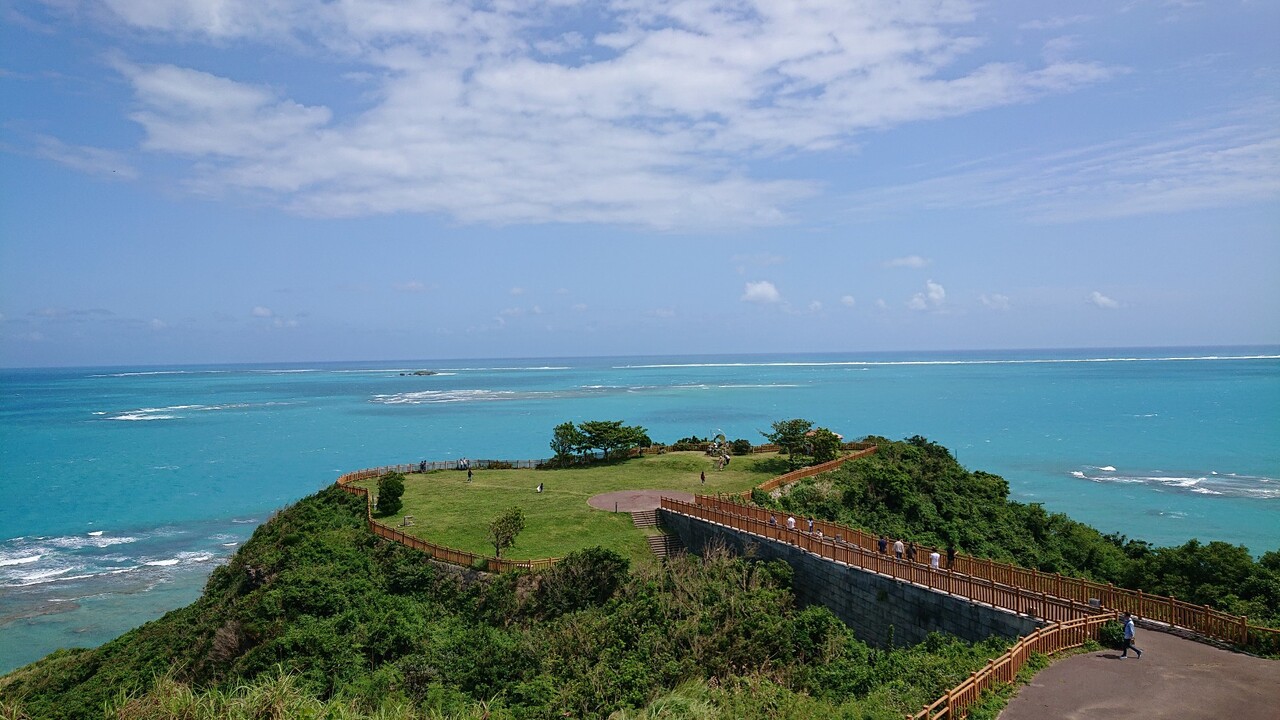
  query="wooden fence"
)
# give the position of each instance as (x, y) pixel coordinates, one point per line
(438, 552)
(1200, 619)
(753, 520)
(860, 450)
(1004, 670)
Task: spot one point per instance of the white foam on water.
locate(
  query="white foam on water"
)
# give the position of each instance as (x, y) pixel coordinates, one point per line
(6, 562)
(96, 533)
(1211, 484)
(162, 563)
(875, 363)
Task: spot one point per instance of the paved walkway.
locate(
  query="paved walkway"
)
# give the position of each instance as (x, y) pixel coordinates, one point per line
(633, 500)
(1175, 678)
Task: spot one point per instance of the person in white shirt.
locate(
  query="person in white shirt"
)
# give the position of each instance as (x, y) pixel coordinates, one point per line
(898, 547)
(791, 523)
(1128, 638)
(934, 559)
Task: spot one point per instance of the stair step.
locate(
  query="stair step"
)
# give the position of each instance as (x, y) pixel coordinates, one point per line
(664, 545)
(644, 518)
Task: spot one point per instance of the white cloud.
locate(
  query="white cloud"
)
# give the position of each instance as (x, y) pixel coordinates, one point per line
(815, 306)
(262, 312)
(1055, 23)
(937, 294)
(932, 297)
(1219, 161)
(498, 113)
(995, 301)
(761, 292)
(91, 160)
(910, 261)
(1102, 301)
(848, 301)
(512, 312)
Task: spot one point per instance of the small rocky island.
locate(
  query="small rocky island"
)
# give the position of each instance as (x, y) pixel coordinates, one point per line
(420, 372)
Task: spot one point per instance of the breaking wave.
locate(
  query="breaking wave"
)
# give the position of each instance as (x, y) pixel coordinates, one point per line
(1212, 484)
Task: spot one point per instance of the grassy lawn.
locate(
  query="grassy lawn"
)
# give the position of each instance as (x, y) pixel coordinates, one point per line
(450, 511)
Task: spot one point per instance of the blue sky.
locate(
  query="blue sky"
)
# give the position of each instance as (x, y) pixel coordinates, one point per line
(190, 181)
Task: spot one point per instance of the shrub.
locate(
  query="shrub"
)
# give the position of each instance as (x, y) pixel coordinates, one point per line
(390, 489)
(741, 446)
(1111, 634)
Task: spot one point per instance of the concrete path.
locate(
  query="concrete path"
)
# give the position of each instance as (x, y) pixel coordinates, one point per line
(1176, 678)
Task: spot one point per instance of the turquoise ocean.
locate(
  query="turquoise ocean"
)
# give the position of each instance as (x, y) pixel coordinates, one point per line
(122, 488)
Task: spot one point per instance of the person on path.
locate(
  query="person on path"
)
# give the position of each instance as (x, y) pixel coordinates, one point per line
(704, 477)
(810, 524)
(898, 547)
(791, 522)
(773, 521)
(883, 544)
(934, 557)
(539, 487)
(1128, 638)
(911, 552)
(951, 555)
(468, 474)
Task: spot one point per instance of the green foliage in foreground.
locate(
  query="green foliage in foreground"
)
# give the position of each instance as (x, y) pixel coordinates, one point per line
(317, 613)
(917, 491)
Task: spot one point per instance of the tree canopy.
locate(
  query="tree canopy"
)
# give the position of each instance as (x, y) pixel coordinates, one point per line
(504, 529)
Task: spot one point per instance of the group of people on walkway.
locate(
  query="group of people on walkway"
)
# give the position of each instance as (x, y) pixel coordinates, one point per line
(908, 551)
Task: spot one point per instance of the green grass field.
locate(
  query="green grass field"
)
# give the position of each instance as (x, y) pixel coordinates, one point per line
(448, 510)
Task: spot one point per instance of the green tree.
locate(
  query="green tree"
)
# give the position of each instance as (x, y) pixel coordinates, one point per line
(823, 445)
(390, 489)
(566, 441)
(611, 436)
(504, 529)
(790, 434)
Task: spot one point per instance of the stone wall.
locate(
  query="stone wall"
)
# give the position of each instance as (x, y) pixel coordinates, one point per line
(879, 609)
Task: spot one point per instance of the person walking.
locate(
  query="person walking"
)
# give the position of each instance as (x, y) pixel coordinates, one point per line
(468, 474)
(704, 477)
(951, 555)
(911, 552)
(791, 522)
(898, 549)
(934, 557)
(883, 544)
(1128, 638)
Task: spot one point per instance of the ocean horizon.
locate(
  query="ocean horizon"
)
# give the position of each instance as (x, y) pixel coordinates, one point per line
(125, 486)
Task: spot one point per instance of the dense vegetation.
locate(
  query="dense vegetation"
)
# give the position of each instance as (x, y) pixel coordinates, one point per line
(917, 491)
(314, 616)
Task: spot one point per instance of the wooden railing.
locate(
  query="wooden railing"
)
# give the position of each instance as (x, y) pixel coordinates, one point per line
(1004, 670)
(438, 552)
(1199, 619)
(861, 450)
(755, 521)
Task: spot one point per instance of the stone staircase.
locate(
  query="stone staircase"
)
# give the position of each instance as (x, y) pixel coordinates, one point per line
(645, 518)
(664, 545)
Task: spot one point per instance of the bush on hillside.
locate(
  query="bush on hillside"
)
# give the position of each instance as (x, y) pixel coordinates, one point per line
(390, 490)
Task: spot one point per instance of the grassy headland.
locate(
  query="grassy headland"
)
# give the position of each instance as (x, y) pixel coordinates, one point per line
(450, 511)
